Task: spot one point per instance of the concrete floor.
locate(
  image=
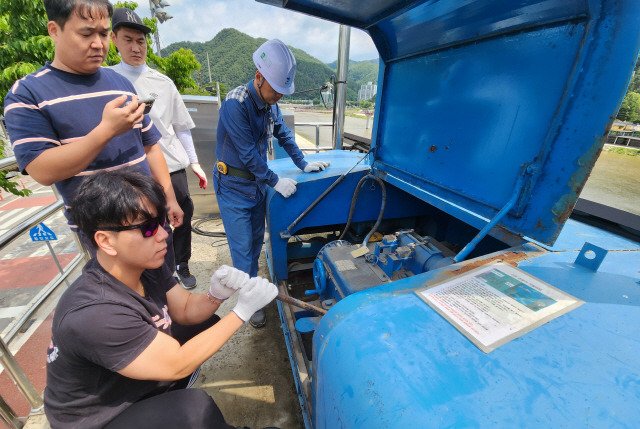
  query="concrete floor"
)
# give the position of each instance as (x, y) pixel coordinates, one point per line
(250, 377)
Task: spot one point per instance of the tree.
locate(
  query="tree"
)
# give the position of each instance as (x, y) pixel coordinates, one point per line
(25, 44)
(630, 108)
(178, 66)
(5, 183)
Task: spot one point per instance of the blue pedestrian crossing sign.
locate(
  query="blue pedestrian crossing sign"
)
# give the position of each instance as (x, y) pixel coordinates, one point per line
(41, 232)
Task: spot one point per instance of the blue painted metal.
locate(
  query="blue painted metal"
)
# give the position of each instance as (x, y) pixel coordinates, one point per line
(319, 279)
(492, 99)
(406, 250)
(591, 256)
(334, 209)
(385, 359)
(471, 94)
(404, 254)
(491, 224)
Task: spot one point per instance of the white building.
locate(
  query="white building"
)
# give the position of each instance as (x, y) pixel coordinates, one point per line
(367, 91)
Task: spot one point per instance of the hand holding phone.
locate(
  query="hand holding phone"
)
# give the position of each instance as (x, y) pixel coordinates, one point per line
(149, 103)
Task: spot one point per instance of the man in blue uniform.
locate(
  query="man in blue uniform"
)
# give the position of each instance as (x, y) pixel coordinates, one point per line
(249, 118)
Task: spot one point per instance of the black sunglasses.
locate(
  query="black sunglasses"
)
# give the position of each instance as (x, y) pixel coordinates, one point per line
(148, 228)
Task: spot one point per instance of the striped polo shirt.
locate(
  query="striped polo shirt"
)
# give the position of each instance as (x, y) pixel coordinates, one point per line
(52, 107)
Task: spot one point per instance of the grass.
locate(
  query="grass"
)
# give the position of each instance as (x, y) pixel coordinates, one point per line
(623, 150)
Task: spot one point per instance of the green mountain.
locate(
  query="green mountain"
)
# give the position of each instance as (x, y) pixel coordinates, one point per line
(230, 59)
(359, 73)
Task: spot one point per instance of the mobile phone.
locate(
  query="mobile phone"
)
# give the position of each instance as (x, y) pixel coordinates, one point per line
(149, 103)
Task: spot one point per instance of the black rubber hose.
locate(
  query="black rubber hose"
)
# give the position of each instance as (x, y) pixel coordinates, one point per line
(353, 206)
(195, 227)
(382, 207)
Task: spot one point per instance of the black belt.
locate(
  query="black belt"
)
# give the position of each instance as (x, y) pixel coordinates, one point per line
(232, 171)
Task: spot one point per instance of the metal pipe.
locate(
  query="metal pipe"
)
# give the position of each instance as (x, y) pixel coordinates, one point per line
(26, 225)
(8, 163)
(317, 125)
(218, 94)
(43, 295)
(489, 226)
(304, 305)
(8, 416)
(313, 149)
(287, 233)
(19, 377)
(341, 85)
(76, 237)
(156, 35)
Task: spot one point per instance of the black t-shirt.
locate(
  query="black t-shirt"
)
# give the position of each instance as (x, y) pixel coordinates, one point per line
(99, 327)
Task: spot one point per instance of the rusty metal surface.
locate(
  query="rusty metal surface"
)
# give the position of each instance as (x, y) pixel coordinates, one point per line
(304, 305)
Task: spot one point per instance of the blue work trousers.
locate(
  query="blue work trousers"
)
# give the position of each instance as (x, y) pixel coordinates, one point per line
(243, 218)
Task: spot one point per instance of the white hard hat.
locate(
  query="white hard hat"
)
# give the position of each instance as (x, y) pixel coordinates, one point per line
(278, 66)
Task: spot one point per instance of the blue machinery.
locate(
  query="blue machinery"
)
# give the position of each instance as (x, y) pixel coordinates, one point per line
(490, 115)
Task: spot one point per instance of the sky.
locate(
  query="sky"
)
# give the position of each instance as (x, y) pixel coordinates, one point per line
(201, 20)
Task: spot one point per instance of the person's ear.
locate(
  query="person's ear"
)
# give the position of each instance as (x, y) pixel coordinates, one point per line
(113, 40)
(106, 241)
(54, 30)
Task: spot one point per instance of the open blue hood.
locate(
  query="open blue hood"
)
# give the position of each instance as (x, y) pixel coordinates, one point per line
(491, 104)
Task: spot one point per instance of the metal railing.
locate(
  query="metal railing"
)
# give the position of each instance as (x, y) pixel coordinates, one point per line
(7, 360)
(318, 148)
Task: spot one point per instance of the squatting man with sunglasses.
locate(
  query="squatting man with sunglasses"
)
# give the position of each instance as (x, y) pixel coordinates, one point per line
(113, 361)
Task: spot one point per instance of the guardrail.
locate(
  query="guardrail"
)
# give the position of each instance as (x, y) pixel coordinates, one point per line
(318, 148)
(7, 360)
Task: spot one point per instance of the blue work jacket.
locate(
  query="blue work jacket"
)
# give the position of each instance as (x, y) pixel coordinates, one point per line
(245, 128)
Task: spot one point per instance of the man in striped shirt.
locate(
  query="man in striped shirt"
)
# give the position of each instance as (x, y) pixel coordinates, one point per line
(73, 118)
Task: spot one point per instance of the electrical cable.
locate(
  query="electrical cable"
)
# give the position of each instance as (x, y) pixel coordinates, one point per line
(195, 226)
(353, 206)
(329, 85)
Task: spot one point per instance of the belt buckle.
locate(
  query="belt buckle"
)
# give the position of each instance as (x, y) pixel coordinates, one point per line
(221, 167)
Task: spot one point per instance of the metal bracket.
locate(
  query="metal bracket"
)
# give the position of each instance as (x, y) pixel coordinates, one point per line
(591, 256)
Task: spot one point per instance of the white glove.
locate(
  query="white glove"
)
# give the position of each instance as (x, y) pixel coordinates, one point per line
(226, 280)
(198, 170)
(257, 293)
(316, 166)
(286, 187)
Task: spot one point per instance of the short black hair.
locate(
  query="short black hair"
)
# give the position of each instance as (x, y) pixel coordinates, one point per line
(60, 10)
(116, 198)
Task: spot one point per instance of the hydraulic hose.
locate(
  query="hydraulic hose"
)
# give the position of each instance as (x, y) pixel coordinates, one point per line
(195, 226)
(353, 206)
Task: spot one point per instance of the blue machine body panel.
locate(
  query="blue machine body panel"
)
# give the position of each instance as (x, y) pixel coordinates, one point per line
(386, 359)
(498, 89)
(489, 114)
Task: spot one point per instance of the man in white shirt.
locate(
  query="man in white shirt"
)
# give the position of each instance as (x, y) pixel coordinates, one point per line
(170, 116)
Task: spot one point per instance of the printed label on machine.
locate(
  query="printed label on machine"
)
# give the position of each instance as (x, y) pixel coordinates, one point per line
(496, 303)
(345, 265)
